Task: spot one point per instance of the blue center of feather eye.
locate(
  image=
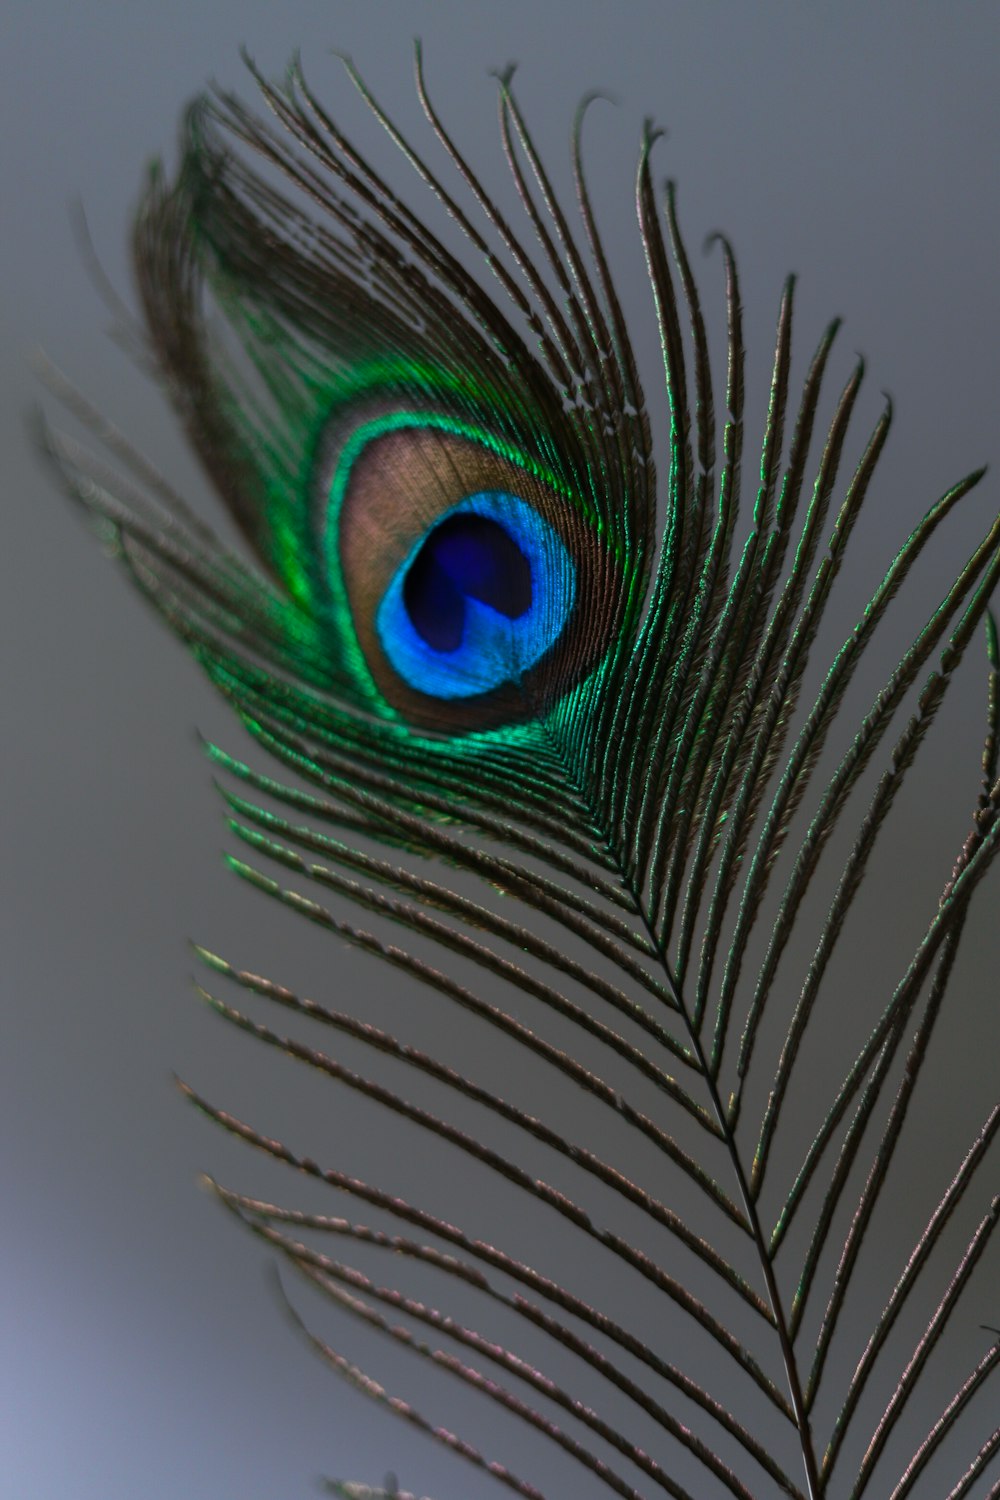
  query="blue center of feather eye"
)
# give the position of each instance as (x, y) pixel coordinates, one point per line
(479, 599)
(466, 557)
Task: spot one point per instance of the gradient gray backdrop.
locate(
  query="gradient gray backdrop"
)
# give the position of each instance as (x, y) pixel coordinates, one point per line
(140, 1352)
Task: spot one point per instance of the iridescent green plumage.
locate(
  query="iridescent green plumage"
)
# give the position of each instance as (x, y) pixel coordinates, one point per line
(635, 793)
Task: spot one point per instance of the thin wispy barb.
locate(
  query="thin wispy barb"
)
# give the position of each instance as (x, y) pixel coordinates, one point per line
(551, 743)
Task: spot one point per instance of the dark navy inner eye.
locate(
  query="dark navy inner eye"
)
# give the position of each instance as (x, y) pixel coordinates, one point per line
(467, 557)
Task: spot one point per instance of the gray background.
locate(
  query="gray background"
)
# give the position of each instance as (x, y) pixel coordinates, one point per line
(141, 1353)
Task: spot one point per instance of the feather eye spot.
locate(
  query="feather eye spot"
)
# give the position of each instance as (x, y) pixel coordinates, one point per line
(475, 589)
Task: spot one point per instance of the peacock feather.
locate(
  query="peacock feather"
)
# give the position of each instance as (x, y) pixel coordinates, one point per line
(528, 671)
